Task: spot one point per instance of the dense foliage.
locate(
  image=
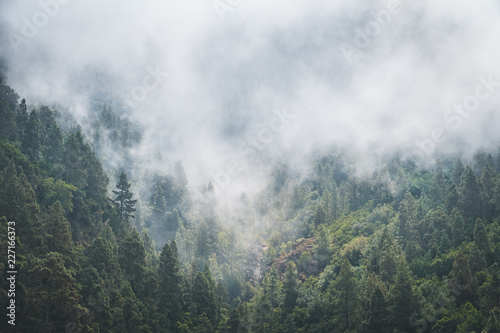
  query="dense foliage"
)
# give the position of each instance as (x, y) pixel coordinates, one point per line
(403, 249)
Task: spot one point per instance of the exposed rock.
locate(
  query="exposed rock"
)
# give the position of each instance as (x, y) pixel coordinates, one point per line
(305, 245)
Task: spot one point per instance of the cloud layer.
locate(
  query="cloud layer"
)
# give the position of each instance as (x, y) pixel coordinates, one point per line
(373, 78)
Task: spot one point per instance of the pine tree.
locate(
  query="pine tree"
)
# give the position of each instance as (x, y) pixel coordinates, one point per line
(458, 172)
(406, 218)
(320, 215)
(272, 287)
(267, 299)
(384, 259)
(18, 203)
(404, 301)
(8, 104)
(457, 227)
(452, 198)
(221, 301)
(133, 319)
(477, 260)
(463, 284)
(170, 294)
(346, 286)
(496, 198)
(97, 181)
(58, 229)
(21, 119)
(203, 243)
(470, 200)
(290, 287)
(378, 315)
(203, 298)
(103, 253)
(74, 160)
(31, 138)
(493, 324)
(8, 125)
(123, 202)
(439, 187)
(132, 258)
(480, 237)
(52, 295)
(488, 182)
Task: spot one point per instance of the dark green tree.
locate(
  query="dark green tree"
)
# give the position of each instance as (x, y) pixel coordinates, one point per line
(203, 298)
(123, 202)
(493, 324)
(470, 200)
(132, 258)
(406, 218)
(290, 287)
(58, 229)
(488, 182)
(8, 125)
(103, 253)
(52, 296)
(377, 320)
(480, 237)
(457, 227)
(404, 301)
(31, 138)
(462, 283)
(452, 198)
(385, 257)
(458, 172)
(170, 295)
(21, 119)
(221, 301)
(346, 286)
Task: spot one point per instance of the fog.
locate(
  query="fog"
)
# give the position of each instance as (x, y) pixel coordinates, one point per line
(231, 87)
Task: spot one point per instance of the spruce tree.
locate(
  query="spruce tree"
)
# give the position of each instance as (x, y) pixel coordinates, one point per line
(458, 172)
(385, 257)
(470, 200)
(377, 320)
(58, 229)
(463, 284)
(480, 237)
(31, 138)
(406, 218)
(493, 324)
(221, 301)
(21, 119)
(103, 253)
(170, 293)
(452, 198)
(132, 258)
(346, 286)
(290, 287)
(488, 183)
(203, 298)
(52, 296)
(457, 227)
(123, 202)
(404, 300)
(8, 126)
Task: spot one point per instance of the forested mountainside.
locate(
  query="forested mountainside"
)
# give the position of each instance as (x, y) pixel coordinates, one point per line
(403, 249)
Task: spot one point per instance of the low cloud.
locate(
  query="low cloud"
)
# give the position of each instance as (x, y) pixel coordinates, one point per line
(227, 77)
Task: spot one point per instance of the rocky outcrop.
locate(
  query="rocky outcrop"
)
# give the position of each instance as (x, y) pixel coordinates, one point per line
(311, 267)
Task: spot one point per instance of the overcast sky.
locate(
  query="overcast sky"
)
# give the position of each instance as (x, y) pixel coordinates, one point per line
(371, 76)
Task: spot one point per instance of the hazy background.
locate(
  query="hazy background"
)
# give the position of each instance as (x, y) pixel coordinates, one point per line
(227, 77)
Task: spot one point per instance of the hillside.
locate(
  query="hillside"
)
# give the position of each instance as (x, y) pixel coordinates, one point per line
(404, 249)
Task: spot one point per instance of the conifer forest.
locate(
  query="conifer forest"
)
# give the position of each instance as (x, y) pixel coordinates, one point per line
(250, 167)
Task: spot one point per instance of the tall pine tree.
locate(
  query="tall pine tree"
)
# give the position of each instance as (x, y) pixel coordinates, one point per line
(123, 202)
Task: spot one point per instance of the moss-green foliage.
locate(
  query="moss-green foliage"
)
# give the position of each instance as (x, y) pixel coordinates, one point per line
(400, 249)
